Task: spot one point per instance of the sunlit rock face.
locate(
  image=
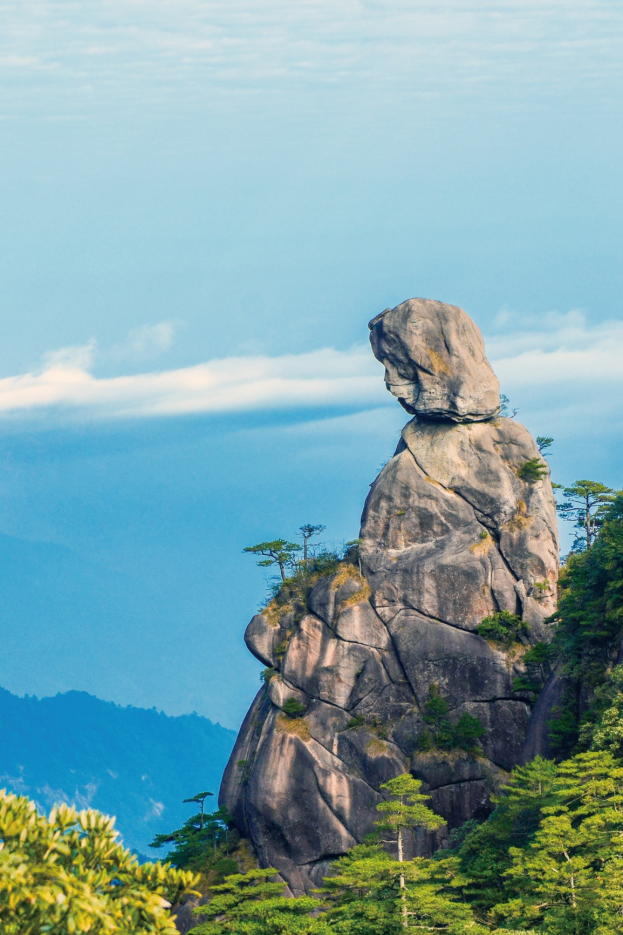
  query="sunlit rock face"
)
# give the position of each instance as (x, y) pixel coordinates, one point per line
(451, 533)
(435, 363)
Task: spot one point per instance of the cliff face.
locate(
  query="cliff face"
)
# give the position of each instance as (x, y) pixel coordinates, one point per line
(453, 531)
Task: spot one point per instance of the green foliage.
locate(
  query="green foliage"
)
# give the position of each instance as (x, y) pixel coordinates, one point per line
(484, 854)
(201, 838)
(564, 726)
(538, 665)
(587, 505)
(250, 904)
(602, 726)
(225, 867)
(502, 627)
(293, 590)
(365, 896)
(543, 442)
(199, 799)
(549, 859)
(589, 626)
(538, 655)
(468, 731)
(357, 721)
(533, 470)
(406, 808)
(441, 733)
(267, 674)
(568, 878)
(293, 708)
(435, 714)
(278, 552)
(362, 893)
(67, 874)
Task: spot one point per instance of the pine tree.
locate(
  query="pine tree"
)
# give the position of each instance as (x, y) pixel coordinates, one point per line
(250, 904)
(406, 810)
(278, 552)
(484, 853)
(567, 877)
(362, 893)
(370, 892)
(587, 503)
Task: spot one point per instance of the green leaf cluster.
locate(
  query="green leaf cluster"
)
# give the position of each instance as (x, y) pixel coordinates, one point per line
(201, 838)
(588, 632)
(253, 904)
(441, 733)
(293, 708)
(533, 470)
(503, 627)
(67, 874)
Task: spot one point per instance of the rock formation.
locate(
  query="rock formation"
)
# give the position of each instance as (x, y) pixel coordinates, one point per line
(453, 530)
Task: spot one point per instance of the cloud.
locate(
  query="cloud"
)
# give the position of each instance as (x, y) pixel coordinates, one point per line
(563, 357)
(559, 350)
(73, 357)
(143, 343)
(320, 378)
(131, 51)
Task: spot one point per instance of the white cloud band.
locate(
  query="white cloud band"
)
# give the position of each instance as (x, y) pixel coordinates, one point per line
(563, 351)
(320, 378)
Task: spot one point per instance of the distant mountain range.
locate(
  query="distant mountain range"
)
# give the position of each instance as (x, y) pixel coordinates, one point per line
(130, 762)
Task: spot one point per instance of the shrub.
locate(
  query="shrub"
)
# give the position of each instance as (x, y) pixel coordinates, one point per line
(357, 721)
(537, 662)
(293, 708)
(267, 674)
(468, 731)
(502, 627)
(532, 470)
(225, 867)
(441, 733)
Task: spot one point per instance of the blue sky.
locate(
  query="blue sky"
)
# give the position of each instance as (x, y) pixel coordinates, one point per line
(203, 203)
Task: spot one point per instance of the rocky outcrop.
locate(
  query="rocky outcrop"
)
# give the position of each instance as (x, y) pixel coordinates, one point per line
(453, 530)
(435, 363)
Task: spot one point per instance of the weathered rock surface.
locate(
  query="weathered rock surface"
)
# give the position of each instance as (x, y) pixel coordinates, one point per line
(435, 363)
(450, 534)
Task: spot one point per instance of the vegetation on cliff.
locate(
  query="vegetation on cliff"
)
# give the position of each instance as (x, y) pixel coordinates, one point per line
(550, 857)
(587, 644)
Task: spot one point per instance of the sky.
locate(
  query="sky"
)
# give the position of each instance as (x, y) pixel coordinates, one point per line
(202, 204)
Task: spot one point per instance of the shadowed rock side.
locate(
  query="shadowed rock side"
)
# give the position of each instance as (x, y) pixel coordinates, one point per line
(450, 534)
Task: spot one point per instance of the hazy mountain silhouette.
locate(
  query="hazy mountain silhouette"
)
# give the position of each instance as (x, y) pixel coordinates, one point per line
(130, 762)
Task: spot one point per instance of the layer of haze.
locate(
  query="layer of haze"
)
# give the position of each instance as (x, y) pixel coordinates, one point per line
(240, 185)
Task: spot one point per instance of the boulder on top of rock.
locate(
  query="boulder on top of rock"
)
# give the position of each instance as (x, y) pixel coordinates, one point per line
(435, 362)
(380, 664)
